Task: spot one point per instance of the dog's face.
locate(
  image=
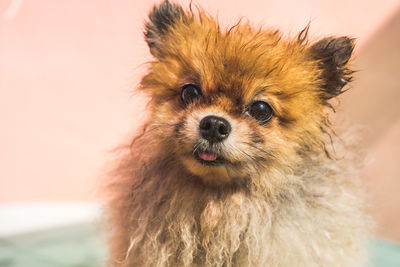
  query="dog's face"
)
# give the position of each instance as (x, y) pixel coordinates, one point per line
(239, 101)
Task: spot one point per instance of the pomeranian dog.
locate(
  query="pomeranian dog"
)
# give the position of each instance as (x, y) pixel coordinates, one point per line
(235, 165)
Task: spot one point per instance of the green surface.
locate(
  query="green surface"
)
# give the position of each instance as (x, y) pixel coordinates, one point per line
(83, 246)
(384, 254)
(79, 245)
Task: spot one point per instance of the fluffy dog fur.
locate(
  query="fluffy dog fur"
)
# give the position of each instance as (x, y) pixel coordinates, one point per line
(282, 197)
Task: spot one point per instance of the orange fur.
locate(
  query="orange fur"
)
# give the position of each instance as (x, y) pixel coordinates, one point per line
(282, 200)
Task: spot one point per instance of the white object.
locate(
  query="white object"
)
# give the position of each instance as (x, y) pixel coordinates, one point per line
(18, 219)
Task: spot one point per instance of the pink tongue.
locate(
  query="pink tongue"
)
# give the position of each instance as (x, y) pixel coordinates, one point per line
(207, 155)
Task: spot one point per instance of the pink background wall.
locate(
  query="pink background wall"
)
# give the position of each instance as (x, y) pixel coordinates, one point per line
(68, 68)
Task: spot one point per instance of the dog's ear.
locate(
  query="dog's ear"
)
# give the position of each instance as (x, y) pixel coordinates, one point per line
(333, 54)
(161, 20)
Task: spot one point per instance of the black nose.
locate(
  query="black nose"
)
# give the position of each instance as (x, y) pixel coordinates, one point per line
(214, 129)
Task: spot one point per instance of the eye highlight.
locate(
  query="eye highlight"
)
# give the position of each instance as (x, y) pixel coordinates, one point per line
(260, 111)
(189, 93)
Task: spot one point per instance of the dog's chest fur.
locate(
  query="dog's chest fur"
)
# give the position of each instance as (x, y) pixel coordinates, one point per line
(162, 218)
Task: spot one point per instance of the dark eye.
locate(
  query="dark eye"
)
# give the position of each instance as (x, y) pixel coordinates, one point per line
(261, 111)
(189, 93)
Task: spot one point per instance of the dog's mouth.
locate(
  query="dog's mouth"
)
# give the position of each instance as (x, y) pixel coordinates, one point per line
(207, 157)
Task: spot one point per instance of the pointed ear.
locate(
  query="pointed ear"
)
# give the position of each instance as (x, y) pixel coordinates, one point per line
(333, 55)
(161, 19)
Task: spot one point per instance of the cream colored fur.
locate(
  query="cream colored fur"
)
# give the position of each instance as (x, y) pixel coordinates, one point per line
(314, 219)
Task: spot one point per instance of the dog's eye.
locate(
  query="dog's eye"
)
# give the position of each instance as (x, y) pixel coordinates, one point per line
(189, 93)
(261, 111)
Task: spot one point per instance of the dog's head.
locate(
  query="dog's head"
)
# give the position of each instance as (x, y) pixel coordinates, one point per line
(242, 100)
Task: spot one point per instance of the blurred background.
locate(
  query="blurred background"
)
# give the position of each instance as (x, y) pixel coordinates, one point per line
(67, 74)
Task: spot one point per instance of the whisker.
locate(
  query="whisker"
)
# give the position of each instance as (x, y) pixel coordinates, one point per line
(196, 147)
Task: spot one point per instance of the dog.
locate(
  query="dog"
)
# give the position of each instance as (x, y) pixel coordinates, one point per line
(237, 163)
